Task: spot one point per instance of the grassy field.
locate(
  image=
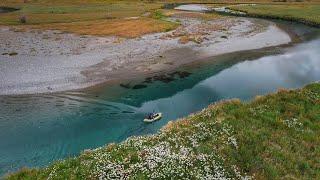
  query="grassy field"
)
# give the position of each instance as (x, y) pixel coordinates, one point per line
(93, 17)
(273, 137)
(44, 12)
(109, 15)
(305, 13)
(124, 28)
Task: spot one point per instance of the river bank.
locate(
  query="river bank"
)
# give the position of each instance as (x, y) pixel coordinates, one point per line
(41, 128)
(229, 139)
(272, 136)
(35, 61)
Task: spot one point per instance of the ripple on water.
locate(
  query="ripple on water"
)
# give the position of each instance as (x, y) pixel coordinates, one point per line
(37, 129)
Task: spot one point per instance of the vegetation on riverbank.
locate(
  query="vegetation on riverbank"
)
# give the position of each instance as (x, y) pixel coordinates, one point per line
(91, 17)
(128, 18)
(112, 17)
(304, 13)
(127, 28)
(274, 136)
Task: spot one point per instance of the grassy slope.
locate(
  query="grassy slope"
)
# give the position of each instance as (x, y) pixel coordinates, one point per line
(305, 12)
(273, 137)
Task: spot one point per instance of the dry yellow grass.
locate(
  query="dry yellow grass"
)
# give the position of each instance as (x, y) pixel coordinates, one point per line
(44, 14)
(194, 38)
(97, 17)
(33, 19)
(128, 28)
(90, 17)
(185, 14)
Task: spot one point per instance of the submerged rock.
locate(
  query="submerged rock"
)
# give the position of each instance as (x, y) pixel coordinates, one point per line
(148, 80)
(166, 78)
(127, 86)
(139, 86)
(163, 78)
(184, 74)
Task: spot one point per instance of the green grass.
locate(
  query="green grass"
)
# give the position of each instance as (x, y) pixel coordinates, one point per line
(45, 14)
(273, 137)
(305, 13)
(100, 17)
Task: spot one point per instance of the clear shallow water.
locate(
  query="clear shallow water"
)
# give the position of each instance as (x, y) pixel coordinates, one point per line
(37, 129)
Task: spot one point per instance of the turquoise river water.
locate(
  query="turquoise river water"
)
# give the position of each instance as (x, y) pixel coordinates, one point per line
(38, 129)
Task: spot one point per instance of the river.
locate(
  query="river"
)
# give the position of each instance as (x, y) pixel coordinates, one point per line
(38, 129)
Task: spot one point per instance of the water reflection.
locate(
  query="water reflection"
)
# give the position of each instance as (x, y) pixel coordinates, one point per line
(244, 80)
(35, 130)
